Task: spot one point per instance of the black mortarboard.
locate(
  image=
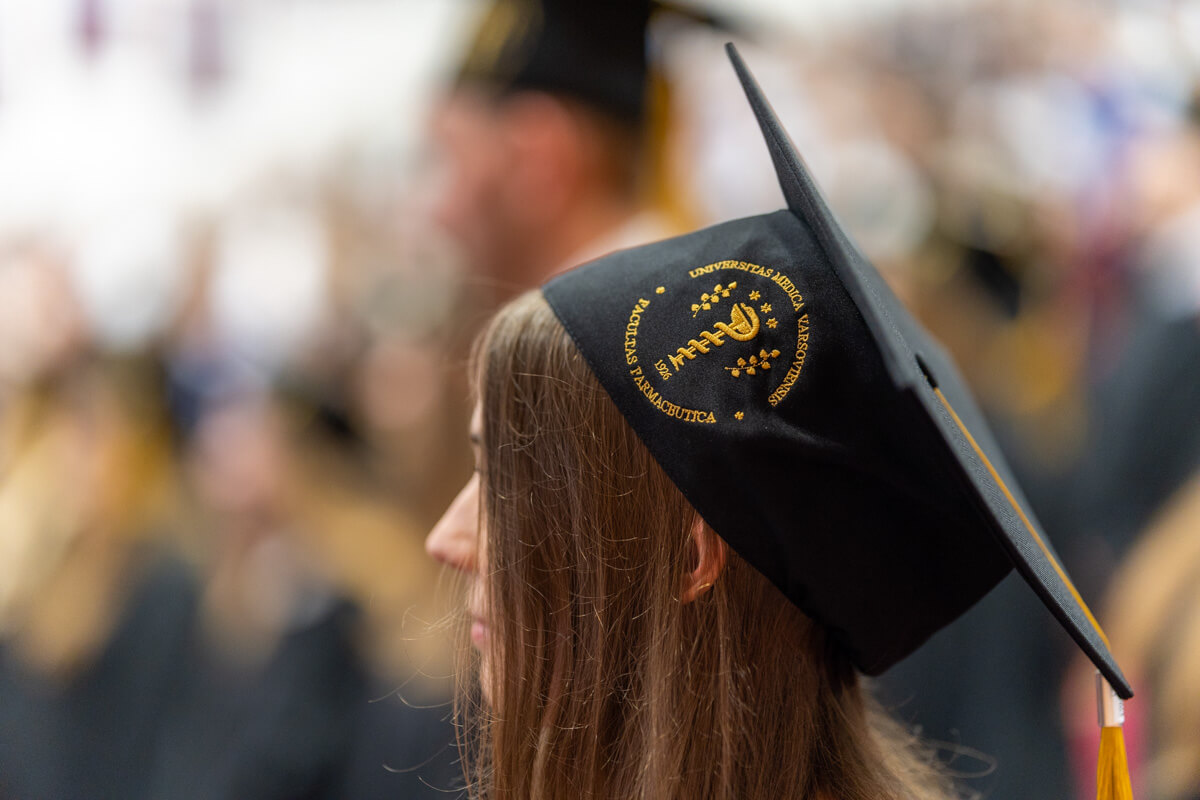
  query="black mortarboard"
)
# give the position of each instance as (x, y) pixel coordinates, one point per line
(813, 423)
(595, 52)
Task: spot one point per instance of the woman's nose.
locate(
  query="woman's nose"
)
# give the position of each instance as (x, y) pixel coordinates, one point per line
(454, 540)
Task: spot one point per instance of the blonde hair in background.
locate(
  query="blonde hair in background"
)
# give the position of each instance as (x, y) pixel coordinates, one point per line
(602, 683)
(86, 480)
(1154, 623)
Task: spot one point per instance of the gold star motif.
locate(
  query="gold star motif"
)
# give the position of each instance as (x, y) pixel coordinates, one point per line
(755, 295)
(771, 323)
(660, 290)
(765, 308)
(738, 415)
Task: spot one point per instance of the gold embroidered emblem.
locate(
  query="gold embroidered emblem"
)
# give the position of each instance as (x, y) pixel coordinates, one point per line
(743, 326)
(708, 299)
(763, 290)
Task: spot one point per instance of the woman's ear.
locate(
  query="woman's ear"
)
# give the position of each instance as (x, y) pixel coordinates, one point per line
(711, 552)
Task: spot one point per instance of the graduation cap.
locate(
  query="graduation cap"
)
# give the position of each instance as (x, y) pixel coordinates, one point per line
(815, 425)
(594, 52)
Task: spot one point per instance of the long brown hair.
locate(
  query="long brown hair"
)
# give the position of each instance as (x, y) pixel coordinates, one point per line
(603, 684)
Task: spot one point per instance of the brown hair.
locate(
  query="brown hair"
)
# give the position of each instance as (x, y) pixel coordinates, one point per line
(605, 685)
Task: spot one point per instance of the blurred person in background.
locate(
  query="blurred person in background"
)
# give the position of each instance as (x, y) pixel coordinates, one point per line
(394, 349)
(544, 140)
(1144, 438)
(541, 163)
(315, 652)
(95, 602)
(268, 705)
(989, 285)
(1139, 495)
(304, 619)
(549, 152)
(1154, 608)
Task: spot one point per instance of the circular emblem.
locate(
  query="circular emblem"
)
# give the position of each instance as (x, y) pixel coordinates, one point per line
(719, 341)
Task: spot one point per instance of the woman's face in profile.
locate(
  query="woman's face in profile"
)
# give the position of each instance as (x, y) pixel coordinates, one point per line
(456, 541)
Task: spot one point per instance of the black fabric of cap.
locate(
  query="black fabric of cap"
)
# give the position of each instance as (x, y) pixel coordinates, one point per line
(595, 52)
(813, 423)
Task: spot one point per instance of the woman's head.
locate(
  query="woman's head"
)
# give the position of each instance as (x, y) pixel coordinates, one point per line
(553, 455)
(627, 652)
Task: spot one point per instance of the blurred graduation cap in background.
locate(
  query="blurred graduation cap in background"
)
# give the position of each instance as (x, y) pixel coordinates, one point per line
(591, 51)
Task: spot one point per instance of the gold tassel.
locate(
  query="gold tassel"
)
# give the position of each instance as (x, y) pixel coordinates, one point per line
(1112, 771)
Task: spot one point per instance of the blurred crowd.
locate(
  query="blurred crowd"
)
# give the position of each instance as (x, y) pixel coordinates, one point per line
(224, 431)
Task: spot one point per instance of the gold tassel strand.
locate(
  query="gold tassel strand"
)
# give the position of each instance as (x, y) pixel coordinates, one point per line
(1112, 770)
